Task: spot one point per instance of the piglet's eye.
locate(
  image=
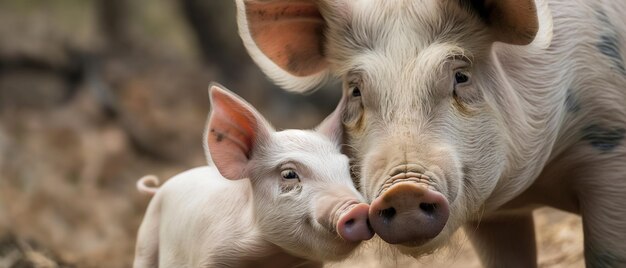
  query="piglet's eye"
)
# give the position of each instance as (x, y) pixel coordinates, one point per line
(289, 174)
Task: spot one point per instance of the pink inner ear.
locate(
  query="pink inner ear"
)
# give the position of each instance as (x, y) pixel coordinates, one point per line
(290, 33)
(230, 136)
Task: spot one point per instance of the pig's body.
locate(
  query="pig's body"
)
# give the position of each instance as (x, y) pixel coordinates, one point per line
(569, 102)
(205, 220)
(573, 97)
(499, 106)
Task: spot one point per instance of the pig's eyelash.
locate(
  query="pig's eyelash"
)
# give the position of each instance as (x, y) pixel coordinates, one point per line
(459, 57)
(287, 164)
(353, 84)
(292, 164)
(354, 78)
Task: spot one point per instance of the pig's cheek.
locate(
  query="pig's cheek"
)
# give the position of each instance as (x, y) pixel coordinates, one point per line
(353, 118)
(374, 165)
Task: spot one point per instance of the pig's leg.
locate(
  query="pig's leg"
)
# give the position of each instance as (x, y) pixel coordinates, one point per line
(504, 241)
(147, 248)
(603, 209)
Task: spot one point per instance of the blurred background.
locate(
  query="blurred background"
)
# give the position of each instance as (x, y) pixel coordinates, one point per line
(95, 94)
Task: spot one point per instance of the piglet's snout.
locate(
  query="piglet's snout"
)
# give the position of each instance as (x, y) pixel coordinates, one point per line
(408, 213)
(353, 225)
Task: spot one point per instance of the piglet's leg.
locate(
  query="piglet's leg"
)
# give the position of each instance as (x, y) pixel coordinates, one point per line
(505, 241)
(147, 248)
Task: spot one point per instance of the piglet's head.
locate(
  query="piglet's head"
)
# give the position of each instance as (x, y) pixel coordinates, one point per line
(304, 199)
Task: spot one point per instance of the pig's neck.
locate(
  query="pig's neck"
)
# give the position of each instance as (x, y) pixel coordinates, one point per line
(532, 105)
(282, 259)
(275, 257)
(251, 249)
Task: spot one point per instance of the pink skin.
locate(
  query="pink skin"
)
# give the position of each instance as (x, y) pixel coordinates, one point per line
(401, 208)
(354, 226)
(340, 212)
(144, 185)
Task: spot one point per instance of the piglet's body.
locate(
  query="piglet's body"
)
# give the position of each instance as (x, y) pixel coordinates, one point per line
(271, 199)
(222, 235)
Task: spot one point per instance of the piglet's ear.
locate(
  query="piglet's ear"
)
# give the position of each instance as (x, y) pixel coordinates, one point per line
(233, 131)
(332, 126)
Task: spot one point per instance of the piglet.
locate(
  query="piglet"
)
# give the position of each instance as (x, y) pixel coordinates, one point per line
(270, 199)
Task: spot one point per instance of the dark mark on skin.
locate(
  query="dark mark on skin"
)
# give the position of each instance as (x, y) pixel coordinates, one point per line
(603, 138)
(609, 44)
(571, 102)
(218, 136)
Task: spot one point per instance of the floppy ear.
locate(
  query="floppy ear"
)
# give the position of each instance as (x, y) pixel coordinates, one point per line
(332, 126)
(233, 131)
(285, 38)
(510, 21)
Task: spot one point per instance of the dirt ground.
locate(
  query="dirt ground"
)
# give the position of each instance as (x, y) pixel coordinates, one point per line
(87, 109)
(559, 241)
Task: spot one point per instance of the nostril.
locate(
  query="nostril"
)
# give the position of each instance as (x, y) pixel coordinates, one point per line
(428, 208)
(353, 226)
(387, 214)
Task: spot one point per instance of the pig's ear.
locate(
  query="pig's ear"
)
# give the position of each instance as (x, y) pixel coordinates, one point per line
(332, 126)
(233, 131)
(285, 38)
(510, 21)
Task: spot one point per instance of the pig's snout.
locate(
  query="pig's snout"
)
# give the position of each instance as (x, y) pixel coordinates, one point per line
(353, 225)
(408, 213)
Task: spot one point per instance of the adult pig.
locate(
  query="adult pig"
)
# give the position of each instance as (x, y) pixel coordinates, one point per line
(272, 199)
(468, 112)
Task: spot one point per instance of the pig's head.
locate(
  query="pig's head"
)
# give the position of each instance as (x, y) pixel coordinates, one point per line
(426, 102)
(304, 199)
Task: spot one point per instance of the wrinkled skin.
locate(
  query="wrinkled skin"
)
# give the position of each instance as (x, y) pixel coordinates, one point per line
(269, 199)
(477, 111)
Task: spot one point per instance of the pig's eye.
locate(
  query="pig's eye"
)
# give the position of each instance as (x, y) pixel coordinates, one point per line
(356, 92)
(460, 77)
(290, 174)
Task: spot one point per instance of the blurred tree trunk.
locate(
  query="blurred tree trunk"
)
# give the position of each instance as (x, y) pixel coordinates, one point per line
(114, 23)
(214, 25)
